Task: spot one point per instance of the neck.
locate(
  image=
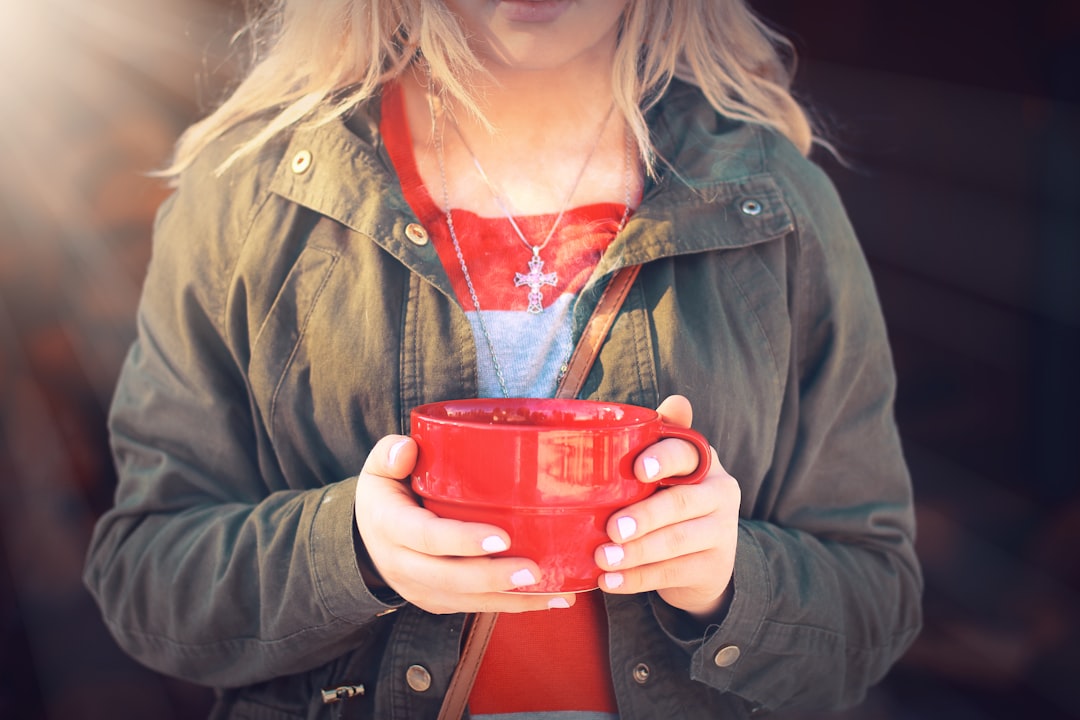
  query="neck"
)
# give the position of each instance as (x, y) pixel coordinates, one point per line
(546, 124)
(524, 104)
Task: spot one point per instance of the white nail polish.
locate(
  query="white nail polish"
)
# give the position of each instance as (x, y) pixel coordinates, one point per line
(613, 554)
(522, 578)
(613, 581)
(652, 467)
(395, 450)
(627, 527)
(494, 544)
(558, 604)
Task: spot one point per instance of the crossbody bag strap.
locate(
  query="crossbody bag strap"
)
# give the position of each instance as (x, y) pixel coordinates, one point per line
(596, 330)
(481, 625)
(477, 634)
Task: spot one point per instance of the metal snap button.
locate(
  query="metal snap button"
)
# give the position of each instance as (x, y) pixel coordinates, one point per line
(416, 233)
(751, 207)
(418, 678)
(301, 162)
(641, 673)
(727, 655)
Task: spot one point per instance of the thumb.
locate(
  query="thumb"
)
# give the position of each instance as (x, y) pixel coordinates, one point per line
(677, 410)
(393, 456)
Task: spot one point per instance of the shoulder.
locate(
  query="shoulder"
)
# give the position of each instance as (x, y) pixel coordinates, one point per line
(224, 191)
(216, 193)
(227, 218)
(202, 226)
(715, 155)
(707, 147)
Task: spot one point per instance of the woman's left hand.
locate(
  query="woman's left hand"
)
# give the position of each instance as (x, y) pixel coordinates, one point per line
(679, 541)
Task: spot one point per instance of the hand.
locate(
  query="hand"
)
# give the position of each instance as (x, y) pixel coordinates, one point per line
(439, 565)
(679, 541)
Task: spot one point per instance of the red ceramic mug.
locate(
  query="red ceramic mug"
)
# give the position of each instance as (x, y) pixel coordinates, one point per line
(550, 472)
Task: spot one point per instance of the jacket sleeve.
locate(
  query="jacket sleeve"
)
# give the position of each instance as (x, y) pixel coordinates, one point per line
(827, 587)
(210, 567)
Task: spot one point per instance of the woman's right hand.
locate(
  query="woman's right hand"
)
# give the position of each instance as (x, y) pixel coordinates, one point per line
(439, 565)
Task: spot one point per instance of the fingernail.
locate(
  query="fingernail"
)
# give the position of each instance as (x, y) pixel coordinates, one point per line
(627, 527)
(494, 544)
(522, 578)
(558, 604)
(613, 554)
(613, 581)
(395, 450)
(652, 467)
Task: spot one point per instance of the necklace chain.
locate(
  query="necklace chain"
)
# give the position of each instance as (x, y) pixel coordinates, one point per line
(440, 157)
(501, 202)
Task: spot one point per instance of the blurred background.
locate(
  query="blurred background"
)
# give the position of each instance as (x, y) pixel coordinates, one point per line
(960, 124)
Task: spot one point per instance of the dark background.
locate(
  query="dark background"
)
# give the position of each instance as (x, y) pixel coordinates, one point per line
(959, 123)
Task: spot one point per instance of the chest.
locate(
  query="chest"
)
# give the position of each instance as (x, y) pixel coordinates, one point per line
(347, 340)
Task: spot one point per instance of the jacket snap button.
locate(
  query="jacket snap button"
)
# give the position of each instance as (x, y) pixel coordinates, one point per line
(641, 673)
(418, 677)
(416, 233)
(751, 207)
(301, 162)
(726, 656)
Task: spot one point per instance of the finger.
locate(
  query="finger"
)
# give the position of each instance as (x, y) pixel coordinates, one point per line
(677, 503)
(464, 576)
(673, 541)
(502, 602)
(513, 602)
(665, 507)
(410, 526)
(668, 458)
(681, 572)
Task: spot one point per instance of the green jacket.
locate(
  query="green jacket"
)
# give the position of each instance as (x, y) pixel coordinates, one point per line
(288, 322)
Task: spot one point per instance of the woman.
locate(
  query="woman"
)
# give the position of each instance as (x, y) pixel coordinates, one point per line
(414, 201)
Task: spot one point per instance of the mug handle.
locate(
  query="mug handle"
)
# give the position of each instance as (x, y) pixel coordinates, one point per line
(698, 440)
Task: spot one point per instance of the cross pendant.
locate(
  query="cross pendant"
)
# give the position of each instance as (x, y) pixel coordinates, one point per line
(535, 279)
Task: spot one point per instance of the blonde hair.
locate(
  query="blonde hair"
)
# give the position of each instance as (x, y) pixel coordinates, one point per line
(315, 61)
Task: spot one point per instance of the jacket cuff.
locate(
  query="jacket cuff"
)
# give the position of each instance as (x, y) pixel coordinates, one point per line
(722, 648)
(334, 560)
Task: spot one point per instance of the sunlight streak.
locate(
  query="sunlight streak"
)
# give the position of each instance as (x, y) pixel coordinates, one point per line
(92, 97)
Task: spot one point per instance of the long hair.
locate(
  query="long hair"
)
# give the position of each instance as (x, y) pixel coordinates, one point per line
(314, 61)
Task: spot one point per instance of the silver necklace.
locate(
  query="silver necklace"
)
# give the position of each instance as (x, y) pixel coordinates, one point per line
(457, 245)
(536, 278)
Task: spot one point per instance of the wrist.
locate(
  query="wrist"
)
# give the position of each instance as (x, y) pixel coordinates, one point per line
(713, 613)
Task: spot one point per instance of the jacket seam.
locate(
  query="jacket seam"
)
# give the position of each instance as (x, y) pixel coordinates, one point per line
(767, 578)
(777, 381)
(805, 291)
(230, 278)
(850, 649)
(303, 330)
(642, 351)
(197, 647)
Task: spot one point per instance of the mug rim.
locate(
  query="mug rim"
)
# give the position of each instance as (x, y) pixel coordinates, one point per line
(635, 415)
(550, 509)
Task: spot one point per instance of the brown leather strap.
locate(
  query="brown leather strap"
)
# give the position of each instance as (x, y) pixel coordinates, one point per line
(478, 631)
(596, 330)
